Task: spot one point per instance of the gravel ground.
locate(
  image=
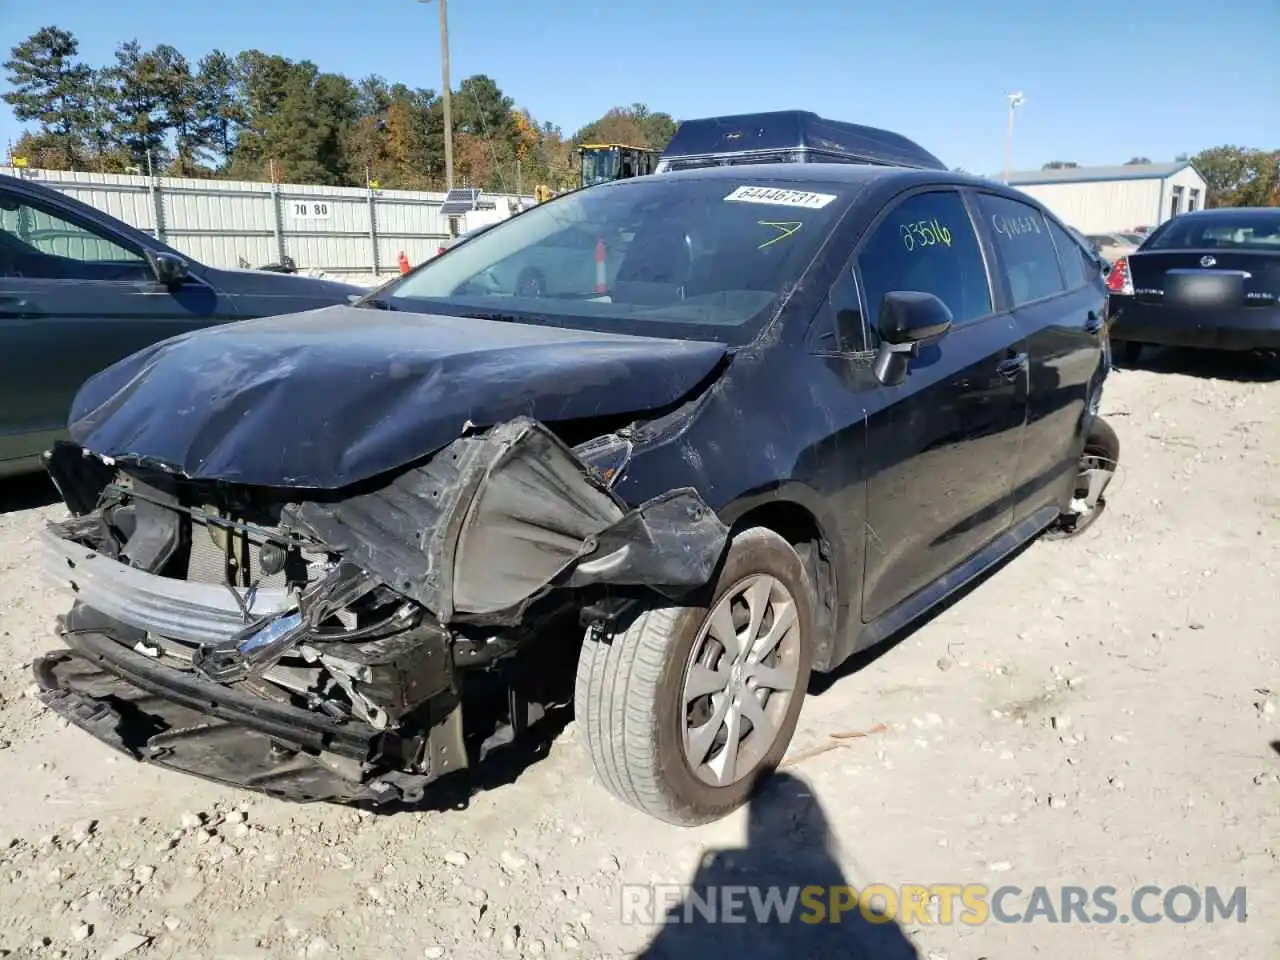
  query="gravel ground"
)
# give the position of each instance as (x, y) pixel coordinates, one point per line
(1099, 712)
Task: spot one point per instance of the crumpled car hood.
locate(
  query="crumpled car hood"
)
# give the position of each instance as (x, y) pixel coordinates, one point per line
(324, 399)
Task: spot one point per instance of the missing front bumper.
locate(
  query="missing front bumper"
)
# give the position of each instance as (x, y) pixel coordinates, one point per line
(165, 716)
(469, 541)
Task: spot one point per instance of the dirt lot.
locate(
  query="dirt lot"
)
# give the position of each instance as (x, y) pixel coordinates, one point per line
(1099, 712)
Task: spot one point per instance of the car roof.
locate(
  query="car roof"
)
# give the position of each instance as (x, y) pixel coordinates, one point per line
(752, 133)
(853, 173)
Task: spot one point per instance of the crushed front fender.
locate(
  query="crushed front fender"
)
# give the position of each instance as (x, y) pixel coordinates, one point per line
(494, 519)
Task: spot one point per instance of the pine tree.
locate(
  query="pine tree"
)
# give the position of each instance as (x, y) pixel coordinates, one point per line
(51, 88)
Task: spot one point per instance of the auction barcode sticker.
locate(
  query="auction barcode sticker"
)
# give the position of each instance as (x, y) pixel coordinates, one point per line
(781, 198)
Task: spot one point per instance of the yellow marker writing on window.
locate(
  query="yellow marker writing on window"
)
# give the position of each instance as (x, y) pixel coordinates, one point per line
(924, 233)
(785, 228)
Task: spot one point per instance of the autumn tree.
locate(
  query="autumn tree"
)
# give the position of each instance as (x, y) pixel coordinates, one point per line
(415, 137)
(635, 126)
(256, 114)
(1239, 176)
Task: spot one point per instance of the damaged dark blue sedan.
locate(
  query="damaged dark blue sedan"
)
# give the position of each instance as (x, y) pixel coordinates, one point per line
(784, 410)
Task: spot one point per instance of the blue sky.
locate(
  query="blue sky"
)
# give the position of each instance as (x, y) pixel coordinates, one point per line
(1103, 81)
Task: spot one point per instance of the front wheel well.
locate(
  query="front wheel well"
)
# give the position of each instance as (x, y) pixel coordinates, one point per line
(800, 528)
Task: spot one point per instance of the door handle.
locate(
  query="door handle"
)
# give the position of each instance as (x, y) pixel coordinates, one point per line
(1093, 324)
(1012, 367)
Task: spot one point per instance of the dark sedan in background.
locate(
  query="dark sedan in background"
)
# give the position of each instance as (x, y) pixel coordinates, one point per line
(80, 290)
(1207, 279)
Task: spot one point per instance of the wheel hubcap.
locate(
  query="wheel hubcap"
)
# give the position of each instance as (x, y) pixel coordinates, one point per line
(740, 680)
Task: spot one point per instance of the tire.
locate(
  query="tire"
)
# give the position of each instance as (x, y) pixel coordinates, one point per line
(630, 688)
(1101, 447)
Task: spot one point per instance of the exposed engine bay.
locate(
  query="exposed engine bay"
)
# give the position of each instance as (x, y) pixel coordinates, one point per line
(323, 648)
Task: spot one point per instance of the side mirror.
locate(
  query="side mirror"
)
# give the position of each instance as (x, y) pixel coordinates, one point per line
(168, 268)
(908, 320)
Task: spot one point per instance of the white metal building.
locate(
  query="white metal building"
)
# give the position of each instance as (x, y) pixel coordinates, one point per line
(1102, 199)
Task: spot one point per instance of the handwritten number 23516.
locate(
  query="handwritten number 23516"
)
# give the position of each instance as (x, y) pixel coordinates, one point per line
(924, 233)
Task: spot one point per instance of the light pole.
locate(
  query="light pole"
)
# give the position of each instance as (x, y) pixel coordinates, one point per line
(1015, 101)
(448, 113)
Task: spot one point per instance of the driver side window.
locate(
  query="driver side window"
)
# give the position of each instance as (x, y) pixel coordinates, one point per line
(37, 243)
(927, 243)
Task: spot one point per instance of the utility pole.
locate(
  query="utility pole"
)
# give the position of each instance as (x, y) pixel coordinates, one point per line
(446, 94)
(1015, 100)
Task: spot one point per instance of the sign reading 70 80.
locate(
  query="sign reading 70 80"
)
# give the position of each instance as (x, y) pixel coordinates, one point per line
(310, 209)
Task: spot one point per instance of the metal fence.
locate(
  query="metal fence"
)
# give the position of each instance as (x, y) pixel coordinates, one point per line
(222, 223)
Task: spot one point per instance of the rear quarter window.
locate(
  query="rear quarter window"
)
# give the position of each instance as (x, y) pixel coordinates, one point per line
(1076, 263)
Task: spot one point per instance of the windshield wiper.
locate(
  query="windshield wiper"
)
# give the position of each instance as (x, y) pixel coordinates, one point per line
(374, 303)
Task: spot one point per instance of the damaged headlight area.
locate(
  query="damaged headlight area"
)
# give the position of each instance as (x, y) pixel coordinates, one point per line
(322, 647)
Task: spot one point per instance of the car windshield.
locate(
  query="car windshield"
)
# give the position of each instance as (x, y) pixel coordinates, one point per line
(699, 259)
(1134, 238)
(1242, 230)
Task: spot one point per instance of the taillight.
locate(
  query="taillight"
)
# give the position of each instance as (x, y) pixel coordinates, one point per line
(1119, 280)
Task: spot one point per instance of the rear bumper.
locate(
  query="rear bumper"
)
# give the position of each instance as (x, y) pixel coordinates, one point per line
(173, 718)
(1252, 328)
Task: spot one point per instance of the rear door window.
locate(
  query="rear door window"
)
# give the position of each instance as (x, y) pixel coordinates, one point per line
(1028, 257)
(926, 243)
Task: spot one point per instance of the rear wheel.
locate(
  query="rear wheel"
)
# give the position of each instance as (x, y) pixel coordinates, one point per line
(687, 709)
(1098, 463)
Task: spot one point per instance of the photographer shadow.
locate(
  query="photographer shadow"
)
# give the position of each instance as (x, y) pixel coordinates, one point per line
(788, 849)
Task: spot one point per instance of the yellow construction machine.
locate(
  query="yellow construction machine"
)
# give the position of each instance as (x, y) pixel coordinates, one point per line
(600, 162)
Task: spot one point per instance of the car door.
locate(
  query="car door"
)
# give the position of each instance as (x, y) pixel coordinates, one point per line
(1059, 305)
(75, 296)
(942, 446)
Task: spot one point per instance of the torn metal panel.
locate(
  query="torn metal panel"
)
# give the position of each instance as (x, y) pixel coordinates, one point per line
(671, 543)
(333, 397)
(493, 520)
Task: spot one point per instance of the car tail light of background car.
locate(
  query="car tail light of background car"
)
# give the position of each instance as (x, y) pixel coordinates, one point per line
(1120, 280)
